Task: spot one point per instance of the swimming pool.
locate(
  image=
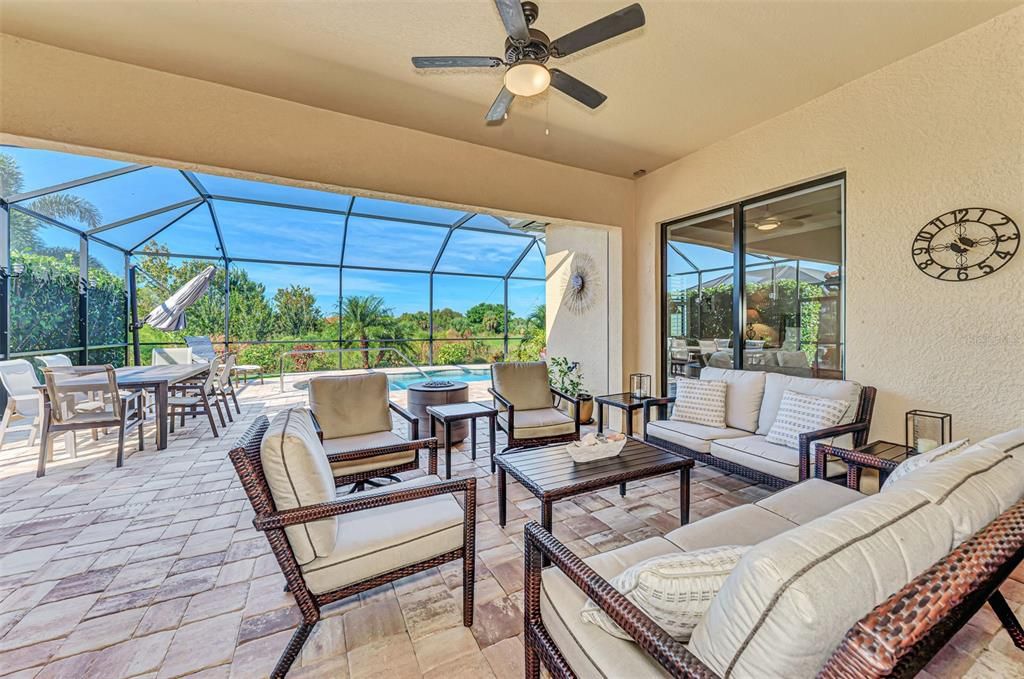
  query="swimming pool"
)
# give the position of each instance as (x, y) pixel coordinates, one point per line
(402, 380)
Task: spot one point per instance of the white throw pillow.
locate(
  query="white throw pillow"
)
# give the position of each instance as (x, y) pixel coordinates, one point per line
(674, 590)
(917, 461)
(800, 413)
(700, 402)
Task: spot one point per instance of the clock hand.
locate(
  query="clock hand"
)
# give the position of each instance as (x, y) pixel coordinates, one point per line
(967, 242)
(958, 249)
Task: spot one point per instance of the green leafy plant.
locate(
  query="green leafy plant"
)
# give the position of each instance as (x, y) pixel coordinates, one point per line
(453, 353)
(566, 376)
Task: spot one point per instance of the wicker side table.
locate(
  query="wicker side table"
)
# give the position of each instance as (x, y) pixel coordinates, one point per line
(883, 456)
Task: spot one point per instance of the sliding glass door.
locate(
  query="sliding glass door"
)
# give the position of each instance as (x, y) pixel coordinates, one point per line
(787, 249)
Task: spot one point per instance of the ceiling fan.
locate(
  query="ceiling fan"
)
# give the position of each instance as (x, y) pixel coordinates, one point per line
(527, 51)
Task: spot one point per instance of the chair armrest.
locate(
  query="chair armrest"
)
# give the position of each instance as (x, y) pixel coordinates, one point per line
(364, 453)
(500, 399)
(510, 411)
(660, 403)
(857, 463)
(368, 500)
(316, 425)
(414, 422)
(575, 403)
(671, 654)
(808, 437)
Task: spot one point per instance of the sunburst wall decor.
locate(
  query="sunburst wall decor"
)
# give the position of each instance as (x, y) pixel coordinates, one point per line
(581, 284)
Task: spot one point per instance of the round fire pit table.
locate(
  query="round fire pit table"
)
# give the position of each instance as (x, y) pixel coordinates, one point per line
(423, 394)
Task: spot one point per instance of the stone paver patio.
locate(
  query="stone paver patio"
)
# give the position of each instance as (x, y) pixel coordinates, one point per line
(155, 570)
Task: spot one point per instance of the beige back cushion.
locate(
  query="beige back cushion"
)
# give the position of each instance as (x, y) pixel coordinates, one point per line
(776, 384)
(350, 405)
(525, 385)
(792, 598)
(973, 487)
(299, 475)
(743, 395)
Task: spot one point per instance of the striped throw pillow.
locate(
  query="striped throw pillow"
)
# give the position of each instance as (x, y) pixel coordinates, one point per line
(917, 461)
(675, 590)
(800, 413)
(700, 402)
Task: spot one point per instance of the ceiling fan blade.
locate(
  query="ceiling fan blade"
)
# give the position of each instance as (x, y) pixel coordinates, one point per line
(499, 108)
(577, 89)
(623, 21)
(457, 62)
(512, 16)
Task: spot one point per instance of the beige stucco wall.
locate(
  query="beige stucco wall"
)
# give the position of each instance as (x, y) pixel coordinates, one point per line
(939, 130)
(59, 98)
(593, 337)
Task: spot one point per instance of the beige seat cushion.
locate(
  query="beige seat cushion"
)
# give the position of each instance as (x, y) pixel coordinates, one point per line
(742, 397)
(299, 475)
(525, 385)
(791, 599)
(349, 405)
(776, 384)
(809, 500)
(754, 452)
(347, 444)
(695, 437)
(972, 487)
(375, 541)
(541, 422)
(589, 650)
(1010, 442)
(742, 525)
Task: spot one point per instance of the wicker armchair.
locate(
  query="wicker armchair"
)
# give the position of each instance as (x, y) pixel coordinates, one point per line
(381, 536)
(524, 399)
(353, 415)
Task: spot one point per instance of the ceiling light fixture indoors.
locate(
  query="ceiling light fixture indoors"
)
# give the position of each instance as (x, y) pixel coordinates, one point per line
(527, 78)
(768, 224)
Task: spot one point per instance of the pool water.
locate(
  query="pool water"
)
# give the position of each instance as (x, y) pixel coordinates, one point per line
(404, 379)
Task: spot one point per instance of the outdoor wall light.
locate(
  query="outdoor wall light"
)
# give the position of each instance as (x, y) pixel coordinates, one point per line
(527, 78)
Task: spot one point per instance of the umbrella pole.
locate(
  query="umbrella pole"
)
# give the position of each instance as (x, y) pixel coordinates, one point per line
(134, 303)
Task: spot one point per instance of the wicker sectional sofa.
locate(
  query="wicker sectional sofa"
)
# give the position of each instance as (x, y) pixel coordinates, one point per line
(752, 401)
(837, 584)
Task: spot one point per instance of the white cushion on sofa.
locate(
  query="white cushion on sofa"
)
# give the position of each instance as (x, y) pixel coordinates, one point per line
(1009, 442)
(800, 413)
(776, 384)
(917, 461)
(696, 437)
(741, 525)
(674, 590)
(809, 500)
(299, 475)
(700, 402)
(755, 452)
(792, 598)
(588, 649)
(973, 487)
(742, 397)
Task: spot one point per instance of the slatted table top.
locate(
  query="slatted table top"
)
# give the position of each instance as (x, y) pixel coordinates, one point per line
(549, 473)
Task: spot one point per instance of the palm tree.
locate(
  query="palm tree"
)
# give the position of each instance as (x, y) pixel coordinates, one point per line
(362, 318)
(538, 316)
(60, 206)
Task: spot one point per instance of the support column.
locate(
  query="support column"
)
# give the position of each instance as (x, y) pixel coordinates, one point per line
(83, 299)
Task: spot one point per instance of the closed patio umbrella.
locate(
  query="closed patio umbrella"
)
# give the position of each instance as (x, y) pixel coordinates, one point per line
(170, 315)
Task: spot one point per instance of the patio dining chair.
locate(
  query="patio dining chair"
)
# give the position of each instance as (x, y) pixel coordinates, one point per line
(55, 361)
(353, 414)
(202, 347)
(197, 398)
(19, 380)
(86, 397)
(225, 387)
(525, 403)
(172, 356)
(330, 548)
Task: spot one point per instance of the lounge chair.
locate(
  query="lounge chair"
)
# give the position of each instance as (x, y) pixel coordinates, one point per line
(525, 402)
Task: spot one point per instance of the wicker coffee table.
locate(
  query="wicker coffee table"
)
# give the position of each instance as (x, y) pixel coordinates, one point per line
(551, 475)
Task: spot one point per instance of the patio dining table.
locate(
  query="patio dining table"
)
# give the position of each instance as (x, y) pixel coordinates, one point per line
(158, 379)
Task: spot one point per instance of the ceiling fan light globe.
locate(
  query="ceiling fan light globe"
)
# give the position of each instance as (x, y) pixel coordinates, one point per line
(527, 78)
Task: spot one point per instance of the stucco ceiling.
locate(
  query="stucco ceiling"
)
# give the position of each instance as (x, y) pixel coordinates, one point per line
(698, 71)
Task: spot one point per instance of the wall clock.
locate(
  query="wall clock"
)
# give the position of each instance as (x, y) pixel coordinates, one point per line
(966, 244)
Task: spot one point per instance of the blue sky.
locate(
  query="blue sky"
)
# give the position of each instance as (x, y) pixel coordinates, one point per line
(267, 232)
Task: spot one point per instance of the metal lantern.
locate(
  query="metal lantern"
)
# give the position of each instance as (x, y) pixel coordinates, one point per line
(640, 385)
(927, 429)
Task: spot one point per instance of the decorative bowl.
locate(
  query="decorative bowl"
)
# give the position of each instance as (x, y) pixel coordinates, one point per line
(580, 452)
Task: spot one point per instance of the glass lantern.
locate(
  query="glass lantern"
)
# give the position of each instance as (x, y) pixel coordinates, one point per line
(640, 385)
(927, 429)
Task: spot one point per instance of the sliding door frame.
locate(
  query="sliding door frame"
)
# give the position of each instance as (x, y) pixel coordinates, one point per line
(739, 301)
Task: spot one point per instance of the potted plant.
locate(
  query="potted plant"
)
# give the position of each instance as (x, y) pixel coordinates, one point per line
(567, 377)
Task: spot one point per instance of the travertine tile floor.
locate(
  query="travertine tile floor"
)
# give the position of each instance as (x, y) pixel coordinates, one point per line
(154, 570)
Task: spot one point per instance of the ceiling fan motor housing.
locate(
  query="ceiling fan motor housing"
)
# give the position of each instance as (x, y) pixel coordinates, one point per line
(535, 50)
